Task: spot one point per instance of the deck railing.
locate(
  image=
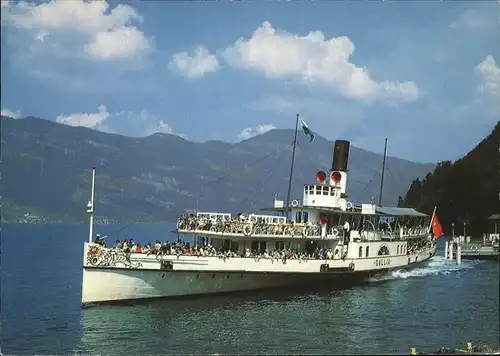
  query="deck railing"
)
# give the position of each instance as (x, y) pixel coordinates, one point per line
(235, 227)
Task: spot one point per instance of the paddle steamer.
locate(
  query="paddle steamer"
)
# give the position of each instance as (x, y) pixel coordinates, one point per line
(321, 238)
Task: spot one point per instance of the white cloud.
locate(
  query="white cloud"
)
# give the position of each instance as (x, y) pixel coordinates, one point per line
(126, 123)
(107, 33)
(479, 16)
(162, 127)
(93, 120)
(10, 113)
(490, 75)
(159, 126)
(84, 16)
(313, 58)
(142, 124)
(248, 132)
(470, 19)
(40, 36)
(124, 42)
(194, 66)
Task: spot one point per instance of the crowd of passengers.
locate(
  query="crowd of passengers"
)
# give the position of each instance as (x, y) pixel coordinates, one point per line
(193, 222)
(236, 224)
(187, 249)
(416, 247)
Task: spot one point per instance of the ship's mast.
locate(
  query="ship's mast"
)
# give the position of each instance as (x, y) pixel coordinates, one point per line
(382, 177)
(291, 166)
(90, 207)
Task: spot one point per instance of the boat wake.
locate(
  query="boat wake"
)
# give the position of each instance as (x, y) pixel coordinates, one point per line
(438, 265)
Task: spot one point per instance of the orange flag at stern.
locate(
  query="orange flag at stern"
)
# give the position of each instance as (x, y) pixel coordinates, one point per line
(437, 230)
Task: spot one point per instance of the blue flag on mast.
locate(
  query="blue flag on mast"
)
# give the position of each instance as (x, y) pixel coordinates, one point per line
(306, 130)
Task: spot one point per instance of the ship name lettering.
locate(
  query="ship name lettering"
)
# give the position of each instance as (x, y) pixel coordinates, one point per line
(382, 262)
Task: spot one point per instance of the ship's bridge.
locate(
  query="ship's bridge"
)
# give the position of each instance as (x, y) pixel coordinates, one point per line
(323, 195)
(329, 190)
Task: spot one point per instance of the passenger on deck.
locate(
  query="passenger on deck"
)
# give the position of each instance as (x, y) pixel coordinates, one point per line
(99, 240)
(181, 248)
(126, 246)
(384, 226)
(346, 230)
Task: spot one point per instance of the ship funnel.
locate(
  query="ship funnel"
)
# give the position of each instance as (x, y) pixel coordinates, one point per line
(340, 155)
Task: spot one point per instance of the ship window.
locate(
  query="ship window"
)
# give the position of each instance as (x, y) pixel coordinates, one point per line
(306, 189)
(367, 251)
(305, 217)
(234, 246)
(318, 190)
(332, 192)
(325, 190)
(255, 246)
(360, 251)
(262, 246)
(398, 249)
(383, 251)
(298, 216)
(311, 189)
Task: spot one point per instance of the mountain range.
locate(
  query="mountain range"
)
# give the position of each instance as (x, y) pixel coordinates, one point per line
(46, 172)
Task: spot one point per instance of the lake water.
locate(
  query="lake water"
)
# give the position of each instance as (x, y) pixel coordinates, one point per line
(439, 304)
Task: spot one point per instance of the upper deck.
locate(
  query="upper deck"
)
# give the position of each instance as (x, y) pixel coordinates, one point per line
(324, 212)
(359, 223)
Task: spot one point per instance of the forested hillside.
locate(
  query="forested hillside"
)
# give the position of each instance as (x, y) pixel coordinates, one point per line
(467, 190)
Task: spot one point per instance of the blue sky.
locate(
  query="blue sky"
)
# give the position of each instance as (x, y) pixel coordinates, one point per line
(424, 74)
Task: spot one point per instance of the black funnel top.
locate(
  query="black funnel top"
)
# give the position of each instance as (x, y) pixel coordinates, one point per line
(340, 155)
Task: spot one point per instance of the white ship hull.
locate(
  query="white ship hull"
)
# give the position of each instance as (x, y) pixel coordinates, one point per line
(199, 275)
(142, 284)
